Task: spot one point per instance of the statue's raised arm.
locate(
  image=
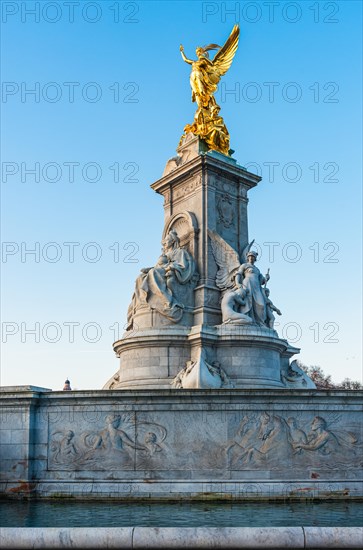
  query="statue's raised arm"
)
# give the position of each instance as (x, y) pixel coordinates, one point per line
(189, 61)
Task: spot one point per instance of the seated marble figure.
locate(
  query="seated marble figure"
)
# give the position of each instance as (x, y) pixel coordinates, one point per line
(155, 286)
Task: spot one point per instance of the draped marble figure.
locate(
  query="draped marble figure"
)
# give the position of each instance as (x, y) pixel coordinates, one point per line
(248, 277)
(244, 299)
(155, 286)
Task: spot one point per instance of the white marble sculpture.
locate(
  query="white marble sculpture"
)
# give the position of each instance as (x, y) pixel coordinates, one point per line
(248, 277)
(270, 308)
(244, 298)
(155, 285)
(230, 303)
(201, 374)
(294, 377)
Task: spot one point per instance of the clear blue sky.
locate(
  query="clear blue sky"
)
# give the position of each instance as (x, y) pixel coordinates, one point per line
(111, 90)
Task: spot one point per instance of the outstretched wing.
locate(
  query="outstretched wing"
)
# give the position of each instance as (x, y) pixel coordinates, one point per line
(226, 258)
(246, 249)
(224, 57)
(211, 47)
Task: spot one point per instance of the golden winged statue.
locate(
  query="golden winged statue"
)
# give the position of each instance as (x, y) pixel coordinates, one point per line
(204, 79)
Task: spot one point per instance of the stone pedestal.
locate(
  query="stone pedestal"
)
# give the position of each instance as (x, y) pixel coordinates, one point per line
(250, 356)
(205, 193)
(171, 444)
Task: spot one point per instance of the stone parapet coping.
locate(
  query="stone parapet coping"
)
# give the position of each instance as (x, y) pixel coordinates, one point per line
(180, 537)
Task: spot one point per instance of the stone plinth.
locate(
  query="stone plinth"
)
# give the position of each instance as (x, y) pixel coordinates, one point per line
(251, 356)
(205, 197)
(172, 444)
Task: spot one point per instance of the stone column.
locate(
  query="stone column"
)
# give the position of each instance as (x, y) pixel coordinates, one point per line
(213, 189)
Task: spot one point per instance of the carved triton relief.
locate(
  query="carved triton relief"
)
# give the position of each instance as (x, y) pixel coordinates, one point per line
(112, 447)
(268, 439)
(262, 441)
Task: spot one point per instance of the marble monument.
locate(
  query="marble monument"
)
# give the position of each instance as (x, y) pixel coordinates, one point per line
(205, 301)
(206, 403)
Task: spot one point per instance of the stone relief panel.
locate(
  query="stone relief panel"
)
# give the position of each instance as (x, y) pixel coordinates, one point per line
(187, 187)
(199, 440)
(230, 188)
(111, 446)
(225, 209)
(166, 197)
(210, 298)
(270, 441)
(195, 442)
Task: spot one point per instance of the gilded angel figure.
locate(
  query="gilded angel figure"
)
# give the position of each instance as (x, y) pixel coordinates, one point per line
(204, 78)
(206, 73)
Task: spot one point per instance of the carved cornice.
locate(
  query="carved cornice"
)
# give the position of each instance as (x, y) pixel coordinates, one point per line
(234, 173)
